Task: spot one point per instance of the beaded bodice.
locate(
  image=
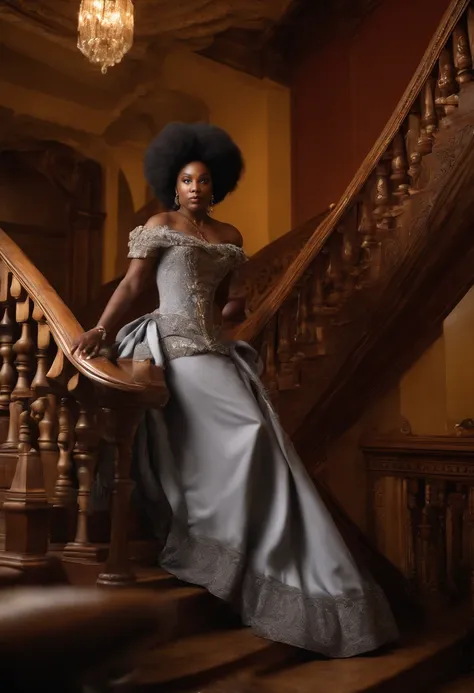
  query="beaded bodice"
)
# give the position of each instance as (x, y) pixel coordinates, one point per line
(188, 274)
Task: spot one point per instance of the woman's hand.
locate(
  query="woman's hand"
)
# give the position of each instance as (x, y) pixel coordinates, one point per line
(234, 311)
(89, 343)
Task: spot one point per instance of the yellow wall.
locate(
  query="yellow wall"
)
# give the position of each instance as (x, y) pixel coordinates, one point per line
(255, 112)
(257, 115)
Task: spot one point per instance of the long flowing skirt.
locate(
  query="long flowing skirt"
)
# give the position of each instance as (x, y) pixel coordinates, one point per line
(238, 513)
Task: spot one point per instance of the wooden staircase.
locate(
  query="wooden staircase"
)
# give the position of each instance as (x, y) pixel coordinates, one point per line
(327, 314)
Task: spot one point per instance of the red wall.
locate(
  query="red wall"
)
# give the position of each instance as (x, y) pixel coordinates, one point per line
(343, 93)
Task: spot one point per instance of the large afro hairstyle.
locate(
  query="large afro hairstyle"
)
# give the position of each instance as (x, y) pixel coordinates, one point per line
(179, 144)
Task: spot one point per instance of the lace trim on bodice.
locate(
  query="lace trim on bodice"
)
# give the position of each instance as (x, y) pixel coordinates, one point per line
(146, 241)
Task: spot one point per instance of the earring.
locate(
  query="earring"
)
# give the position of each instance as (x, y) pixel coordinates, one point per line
(176, 201)
(210, 209)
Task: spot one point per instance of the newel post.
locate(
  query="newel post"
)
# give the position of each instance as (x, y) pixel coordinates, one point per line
(125, 411)
(26, 507)
(118, 572)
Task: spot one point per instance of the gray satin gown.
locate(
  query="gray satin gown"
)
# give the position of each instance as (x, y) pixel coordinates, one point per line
(237, 511)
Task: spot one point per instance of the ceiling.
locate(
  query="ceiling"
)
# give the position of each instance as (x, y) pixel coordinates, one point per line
(38, 52)
(158, 23)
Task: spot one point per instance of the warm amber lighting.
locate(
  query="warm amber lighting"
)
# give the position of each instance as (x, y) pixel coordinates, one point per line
(105, 30)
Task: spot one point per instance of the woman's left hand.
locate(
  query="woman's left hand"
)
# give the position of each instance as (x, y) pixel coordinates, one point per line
(233, 312)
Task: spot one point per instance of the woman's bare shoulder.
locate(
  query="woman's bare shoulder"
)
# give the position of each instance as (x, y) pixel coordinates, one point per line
(161, 219)
(230, 234)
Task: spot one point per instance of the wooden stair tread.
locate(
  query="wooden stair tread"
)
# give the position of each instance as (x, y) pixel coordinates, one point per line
(238, 662)
(156, 577)
(193, 656)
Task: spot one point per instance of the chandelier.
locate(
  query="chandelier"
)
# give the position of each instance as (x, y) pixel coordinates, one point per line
(105, 31)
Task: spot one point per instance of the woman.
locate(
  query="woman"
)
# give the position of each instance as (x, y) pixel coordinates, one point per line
(239, 514)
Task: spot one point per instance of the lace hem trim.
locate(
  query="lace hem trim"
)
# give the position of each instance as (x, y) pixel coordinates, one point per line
(335, 626)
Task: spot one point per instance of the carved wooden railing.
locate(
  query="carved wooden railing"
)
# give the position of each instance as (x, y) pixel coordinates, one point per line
(322, 301)
(421, 510)
(60, 406)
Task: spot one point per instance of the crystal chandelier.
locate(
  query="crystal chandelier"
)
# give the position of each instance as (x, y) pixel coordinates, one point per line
(105, 30)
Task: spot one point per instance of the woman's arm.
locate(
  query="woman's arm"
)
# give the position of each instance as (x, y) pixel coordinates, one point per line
(127, 291)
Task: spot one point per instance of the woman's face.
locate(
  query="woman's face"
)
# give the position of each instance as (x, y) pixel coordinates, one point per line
(194, 187)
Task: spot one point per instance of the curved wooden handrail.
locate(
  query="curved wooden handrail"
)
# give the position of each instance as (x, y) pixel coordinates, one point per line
(62, 323)
(252, 327)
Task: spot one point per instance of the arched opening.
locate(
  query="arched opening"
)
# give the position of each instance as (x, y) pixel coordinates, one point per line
(51, 206)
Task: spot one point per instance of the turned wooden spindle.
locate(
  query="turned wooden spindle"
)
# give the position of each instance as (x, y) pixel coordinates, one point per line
(470, 509)
(85, 460)
(431, 553)
(429, 120)
(303, 324)
(117, 569)
(26, 507)
(454, 538)
(462, 55)
(24, 347)
(382, 196)
(288, 372)
(399, 175)
(414, 155)
(7, 371)
(48, 425)
(412, 491)
(270, 360)
(447, 100)
(40, 383)
(64, 491)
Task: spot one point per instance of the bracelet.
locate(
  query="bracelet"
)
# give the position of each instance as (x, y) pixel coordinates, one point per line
(102, 330)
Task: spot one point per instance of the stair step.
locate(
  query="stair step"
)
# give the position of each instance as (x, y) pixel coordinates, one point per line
(202, 658)
(235, 661)
(195, 610)
(9, 577)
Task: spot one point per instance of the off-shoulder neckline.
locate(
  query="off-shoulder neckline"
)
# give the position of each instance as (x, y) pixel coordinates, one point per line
(198, 241)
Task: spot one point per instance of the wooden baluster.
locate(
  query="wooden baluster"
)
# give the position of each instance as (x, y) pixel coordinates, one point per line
(288, 365)
(7, 339)
(23, 350)
(369, 269)
(270, 361)
(462, 55)
(117, 569)
(454, 538)
(429, 121)
(413, 490)
(24, 347)
(41, 386)
(26, 507)
(440, 556)
(447, 100)
(312, 327)
(40, 383)
(303, 334)
(333, 278)
(399, 175)
(48, 426)
(382, 198)
(471, 543)
(64, 511)
(429, 538)
(64, 490)
(414, 155)
(85, 460)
